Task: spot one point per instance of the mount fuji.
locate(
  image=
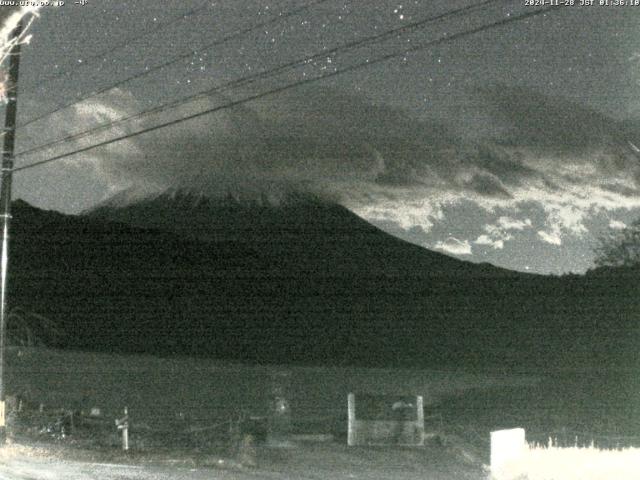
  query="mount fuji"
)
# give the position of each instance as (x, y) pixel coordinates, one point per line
(298, 280)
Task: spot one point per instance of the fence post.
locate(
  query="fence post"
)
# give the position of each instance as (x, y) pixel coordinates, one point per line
(123, 424)
(279, 419)
(420, 419)
(351, 406)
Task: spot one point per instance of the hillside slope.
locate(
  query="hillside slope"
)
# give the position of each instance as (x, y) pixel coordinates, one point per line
(301, 282)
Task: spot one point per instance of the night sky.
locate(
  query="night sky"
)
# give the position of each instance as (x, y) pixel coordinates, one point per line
(512, 146)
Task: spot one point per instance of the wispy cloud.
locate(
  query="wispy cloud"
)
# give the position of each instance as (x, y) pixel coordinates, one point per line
(617, 225)
(552, 237)
(454, 246)
(508, 223)
(484, 239)
(497, 234)
(564, 160)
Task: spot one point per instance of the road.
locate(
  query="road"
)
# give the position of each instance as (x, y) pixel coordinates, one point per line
(305, 462)
(45, 469)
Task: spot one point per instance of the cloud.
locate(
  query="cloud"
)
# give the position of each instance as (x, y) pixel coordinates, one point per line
(555, 157)
(545, 121)
(487, 240)
(552, 237)
(508, 223)
(617, 225)
(497, 234)
(406, 212)
(317, 140)
(454, 246)
(488, 185)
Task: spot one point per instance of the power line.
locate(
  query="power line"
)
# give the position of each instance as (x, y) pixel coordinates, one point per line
(125, 43)
(264, 74)
(234, 35)
(367, 63)
(158, 27)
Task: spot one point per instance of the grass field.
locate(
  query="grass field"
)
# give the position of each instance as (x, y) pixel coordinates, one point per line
(180, 408)
(158, 391)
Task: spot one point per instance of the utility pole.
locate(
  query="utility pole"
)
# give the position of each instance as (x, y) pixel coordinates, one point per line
(5, 205)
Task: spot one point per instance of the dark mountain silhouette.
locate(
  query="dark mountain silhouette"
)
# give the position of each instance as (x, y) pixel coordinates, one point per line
(299, 232)
(301, 281)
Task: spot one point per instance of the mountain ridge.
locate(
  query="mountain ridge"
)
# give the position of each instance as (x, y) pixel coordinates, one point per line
(261, 222)
(337, 291)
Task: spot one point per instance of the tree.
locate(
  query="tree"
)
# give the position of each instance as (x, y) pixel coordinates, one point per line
(29, 329)
(620, 248)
